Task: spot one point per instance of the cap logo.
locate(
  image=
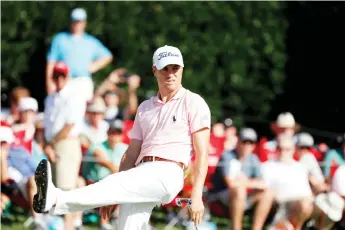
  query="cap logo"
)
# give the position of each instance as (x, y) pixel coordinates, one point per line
(167, 54)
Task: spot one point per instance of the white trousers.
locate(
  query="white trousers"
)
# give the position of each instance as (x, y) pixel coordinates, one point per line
(138, 190)
(84, 86)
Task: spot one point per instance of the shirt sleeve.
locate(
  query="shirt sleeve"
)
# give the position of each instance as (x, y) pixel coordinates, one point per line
(100, 50)
(256, 167)
(54, 53)
(136, 132)
(199, 114)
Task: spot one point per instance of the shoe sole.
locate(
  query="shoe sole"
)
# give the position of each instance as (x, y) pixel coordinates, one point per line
(41, 179)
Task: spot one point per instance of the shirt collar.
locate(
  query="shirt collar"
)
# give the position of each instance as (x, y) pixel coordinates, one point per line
(177, 96)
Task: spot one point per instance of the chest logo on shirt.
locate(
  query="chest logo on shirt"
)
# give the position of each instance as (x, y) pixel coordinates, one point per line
(174, 119)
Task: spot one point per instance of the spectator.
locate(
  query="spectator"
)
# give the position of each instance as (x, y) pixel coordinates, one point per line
(217, 139)
(303, 145)
(239, 171)
(12, 115)
(24, 128)
(82, 52)
(230, 135)
(333, 159)
(285, 125)
(290, 183)
(95, 128)
(108, 156)
(17, 166)
(115, 97)
(63, 118)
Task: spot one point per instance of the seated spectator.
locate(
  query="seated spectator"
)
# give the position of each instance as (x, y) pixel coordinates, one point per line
(290, 182)
(239, 171)
(24, 128)
(285, 125)
(12, 115)
(95, 127)
(108, 156)
(333, 159)
(217, 140)
(16, 165)
(303, 145)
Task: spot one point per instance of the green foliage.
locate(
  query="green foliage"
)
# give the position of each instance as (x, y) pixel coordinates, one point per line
(234, 51)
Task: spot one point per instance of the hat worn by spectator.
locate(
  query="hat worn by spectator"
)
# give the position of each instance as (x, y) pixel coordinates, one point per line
(96, 106)
(62, 68)
(331, 204)
(28, 103)
(167, 55)
(78, 14)
(116, 125)
(6, 135)
(305, 140)
(248, 134)
(285, 120)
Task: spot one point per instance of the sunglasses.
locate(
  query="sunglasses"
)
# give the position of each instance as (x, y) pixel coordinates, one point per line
(248, 142)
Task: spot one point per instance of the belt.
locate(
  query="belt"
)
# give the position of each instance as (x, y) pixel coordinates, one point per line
(153, 158)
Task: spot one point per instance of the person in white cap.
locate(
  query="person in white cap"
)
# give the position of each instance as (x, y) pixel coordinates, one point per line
(284, 125)
(237, 172)
(167, 129)
(82, 52)
(24, 129)
(94, 130)
(303, 145)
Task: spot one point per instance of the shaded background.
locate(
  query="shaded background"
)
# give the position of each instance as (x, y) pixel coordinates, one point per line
(301, 70)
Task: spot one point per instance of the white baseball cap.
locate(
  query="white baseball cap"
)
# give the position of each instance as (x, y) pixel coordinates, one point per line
(331, 204)
(338, 183)
(78, 14)
(28, 103)
(305, 140)
(248, 134)
(167, 55)
(6, 134)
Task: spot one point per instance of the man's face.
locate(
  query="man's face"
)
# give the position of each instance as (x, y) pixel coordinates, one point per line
(114, 136)
(27, 116)
(286, 131)
(95, 118)
(169, 78)
(78, 26)
(285, 148)
(59, 81)
(246, 147)
(111, 100)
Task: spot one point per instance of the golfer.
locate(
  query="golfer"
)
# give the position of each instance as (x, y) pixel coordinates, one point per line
(167, 129)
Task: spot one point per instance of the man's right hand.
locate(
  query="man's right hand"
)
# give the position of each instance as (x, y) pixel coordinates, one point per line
(50, 152)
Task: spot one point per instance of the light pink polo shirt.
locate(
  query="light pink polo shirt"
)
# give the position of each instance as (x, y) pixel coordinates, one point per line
(166, 128)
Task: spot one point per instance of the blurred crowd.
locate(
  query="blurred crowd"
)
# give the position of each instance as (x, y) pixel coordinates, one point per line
(83, 131)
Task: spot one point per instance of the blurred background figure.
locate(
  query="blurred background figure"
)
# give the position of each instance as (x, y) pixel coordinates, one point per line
(63, 119)
(12, 115)
(303, 145)
(334, 158)
(238, 182)
(230, 135)
(82, 52)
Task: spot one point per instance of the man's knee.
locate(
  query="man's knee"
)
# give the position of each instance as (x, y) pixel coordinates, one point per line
(239, 193)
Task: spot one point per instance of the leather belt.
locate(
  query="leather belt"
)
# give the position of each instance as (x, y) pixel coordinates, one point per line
(153, 158)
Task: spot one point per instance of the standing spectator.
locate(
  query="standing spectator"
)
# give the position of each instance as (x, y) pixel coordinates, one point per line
(333, 159)
(239, 171)
(115, 97)
(24, 128)
(303, 145)
(12, 115)
(82, 52)
(63, 118)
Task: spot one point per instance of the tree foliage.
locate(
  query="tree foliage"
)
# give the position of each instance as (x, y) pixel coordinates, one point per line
(234, 51)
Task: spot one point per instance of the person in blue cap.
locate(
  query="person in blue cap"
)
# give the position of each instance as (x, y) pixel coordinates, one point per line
(83, 53)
